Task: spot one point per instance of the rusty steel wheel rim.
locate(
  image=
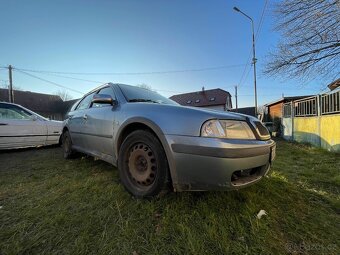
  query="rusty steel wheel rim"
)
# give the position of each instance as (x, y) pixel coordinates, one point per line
(142, 164)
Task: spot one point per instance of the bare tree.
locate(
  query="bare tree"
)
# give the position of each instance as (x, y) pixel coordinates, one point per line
(145, 86)
(5, 86)
(310, 43)
(64, 95)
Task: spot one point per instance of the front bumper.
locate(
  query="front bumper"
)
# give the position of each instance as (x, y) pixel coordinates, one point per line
(200, 163)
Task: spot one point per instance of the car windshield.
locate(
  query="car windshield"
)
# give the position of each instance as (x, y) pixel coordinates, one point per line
(137, 94)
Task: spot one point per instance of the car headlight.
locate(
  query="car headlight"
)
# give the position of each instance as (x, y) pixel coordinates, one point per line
(232, 129)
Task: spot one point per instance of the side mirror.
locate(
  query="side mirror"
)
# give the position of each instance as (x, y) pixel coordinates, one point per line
(34, 117)
(103, 99)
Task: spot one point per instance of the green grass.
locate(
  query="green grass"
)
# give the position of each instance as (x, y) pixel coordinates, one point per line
(56, 206)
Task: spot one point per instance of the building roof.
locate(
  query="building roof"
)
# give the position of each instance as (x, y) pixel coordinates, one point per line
(245, 110)
(335, 84)
(34, 101)
(286, 99)
(203, 98)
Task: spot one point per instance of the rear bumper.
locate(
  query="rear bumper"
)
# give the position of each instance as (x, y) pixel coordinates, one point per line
(211, 163)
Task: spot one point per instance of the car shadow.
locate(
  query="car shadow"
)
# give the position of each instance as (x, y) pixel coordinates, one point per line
(32, 149)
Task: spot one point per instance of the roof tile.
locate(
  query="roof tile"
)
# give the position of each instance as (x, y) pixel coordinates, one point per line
(203, 97)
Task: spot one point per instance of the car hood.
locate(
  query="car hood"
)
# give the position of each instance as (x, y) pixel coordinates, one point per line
(219, 114)
(201, 111)
(177, 119)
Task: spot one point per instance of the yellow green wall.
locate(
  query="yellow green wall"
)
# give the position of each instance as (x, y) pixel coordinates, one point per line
(306, 130)
(330, 132)
(323, 131)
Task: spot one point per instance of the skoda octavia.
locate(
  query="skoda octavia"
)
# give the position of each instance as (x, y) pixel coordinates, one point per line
(157, 144)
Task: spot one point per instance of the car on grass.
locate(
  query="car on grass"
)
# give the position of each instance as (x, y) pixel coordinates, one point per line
(21, 128)
(158, 144)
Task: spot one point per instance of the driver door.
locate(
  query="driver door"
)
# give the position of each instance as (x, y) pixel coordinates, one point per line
(77, 120)
(99, 125)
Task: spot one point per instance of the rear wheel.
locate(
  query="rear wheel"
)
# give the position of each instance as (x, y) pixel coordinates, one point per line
(67, 145)
(142, 165)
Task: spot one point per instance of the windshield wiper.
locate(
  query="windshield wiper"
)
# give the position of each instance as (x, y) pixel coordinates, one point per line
(142, 100)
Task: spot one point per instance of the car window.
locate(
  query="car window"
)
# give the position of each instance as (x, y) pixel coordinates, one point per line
(137, 94)
(106, 91)
(85, 102)
(13, 112)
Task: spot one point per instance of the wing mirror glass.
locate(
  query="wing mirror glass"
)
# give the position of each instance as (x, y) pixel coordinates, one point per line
(103, 99)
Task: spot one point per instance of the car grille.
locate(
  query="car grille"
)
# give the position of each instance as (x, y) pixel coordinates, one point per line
(262, 130)
(242, 177)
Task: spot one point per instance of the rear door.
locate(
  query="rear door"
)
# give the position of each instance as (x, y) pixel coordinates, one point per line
(20, 128)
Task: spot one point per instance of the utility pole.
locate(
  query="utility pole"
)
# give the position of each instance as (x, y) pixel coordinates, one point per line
(254, 63)
(10, 88)
(236, 98)
(254, 55)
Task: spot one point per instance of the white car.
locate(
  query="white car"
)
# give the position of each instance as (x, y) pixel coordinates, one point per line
(20, 128)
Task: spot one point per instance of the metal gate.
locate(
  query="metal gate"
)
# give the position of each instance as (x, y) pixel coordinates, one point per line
(287, 121)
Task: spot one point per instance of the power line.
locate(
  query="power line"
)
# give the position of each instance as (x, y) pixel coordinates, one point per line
(261, 20)
(74, 78)
(68, 77)
(249, 57)
(51, 82)
(62, 76)
(137, 73)
(246, 75)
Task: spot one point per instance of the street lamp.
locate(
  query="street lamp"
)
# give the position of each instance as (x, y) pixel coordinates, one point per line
(254, 56)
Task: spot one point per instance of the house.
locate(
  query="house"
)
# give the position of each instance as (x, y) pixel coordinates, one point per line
(274, 109)
(49, 106)
(245, 110)
(217, 99)
(67, 106)
(334, 85)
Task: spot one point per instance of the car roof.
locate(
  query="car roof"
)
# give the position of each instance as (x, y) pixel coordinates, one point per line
(3, 102)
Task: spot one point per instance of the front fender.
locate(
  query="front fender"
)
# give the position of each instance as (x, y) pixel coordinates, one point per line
(160, 135)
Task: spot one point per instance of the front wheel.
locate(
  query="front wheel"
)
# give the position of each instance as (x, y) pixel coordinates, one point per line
(142, 165)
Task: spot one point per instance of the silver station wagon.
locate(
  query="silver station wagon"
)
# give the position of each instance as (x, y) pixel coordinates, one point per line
(158, 144)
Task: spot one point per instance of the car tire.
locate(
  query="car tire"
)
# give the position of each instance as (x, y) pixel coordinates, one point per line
(67, 145)
(142, 165)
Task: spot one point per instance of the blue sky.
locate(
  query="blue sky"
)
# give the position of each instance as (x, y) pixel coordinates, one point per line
(141, 36)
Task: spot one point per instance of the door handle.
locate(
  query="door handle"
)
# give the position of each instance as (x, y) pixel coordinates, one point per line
(3, 124)
(85, 116)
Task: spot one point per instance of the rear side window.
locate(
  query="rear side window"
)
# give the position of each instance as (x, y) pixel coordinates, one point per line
(85, 102)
